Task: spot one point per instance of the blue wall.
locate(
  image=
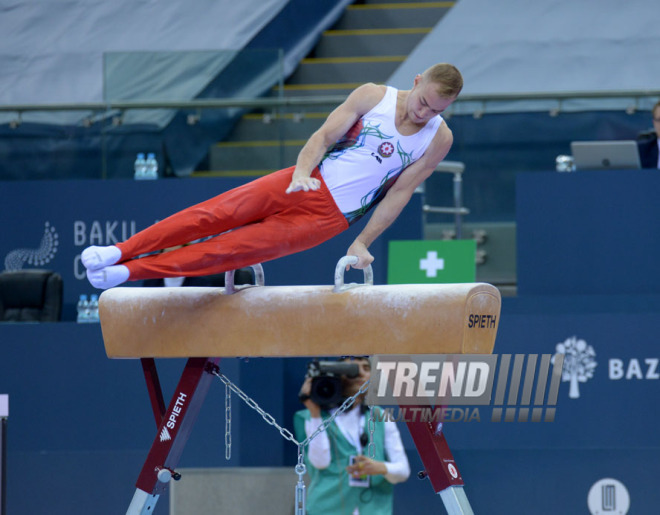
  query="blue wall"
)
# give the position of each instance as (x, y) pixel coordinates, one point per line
(80, 425)
(593, 232)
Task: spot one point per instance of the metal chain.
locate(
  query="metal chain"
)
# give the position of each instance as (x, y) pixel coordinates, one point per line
(372, 427)
(227, 423)
(300, 494)
(286, 434)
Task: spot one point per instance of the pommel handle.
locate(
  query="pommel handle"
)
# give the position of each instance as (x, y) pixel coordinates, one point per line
(259, 277)
(341, 268)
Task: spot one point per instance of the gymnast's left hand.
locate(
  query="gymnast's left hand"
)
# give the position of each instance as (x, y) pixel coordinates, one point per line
(360, 250)
(365, 466)
(303, 184)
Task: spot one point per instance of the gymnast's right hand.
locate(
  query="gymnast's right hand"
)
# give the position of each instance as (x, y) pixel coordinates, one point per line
(360, 250)
(303, 184)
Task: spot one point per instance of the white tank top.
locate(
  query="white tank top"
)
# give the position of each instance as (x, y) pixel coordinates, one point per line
(361, 167)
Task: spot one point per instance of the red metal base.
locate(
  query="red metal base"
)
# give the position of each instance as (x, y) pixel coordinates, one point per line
(434, 451)
(175, 423)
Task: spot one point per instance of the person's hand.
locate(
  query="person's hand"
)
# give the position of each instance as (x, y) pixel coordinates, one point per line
(365, 466)
(305, 391)
(303, 184)
(360, 250)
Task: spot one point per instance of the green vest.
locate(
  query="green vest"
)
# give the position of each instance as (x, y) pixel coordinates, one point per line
(328, 492)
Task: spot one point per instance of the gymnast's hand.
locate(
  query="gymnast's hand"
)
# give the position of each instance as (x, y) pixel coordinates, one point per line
(360, 250)
(303, 184)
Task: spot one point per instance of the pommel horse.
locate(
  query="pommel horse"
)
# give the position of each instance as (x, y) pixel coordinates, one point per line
(278, 321)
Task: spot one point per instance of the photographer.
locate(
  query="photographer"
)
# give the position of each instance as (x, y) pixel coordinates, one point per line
(344, 480)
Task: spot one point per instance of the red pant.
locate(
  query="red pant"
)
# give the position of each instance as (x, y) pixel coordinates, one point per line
(258, 222)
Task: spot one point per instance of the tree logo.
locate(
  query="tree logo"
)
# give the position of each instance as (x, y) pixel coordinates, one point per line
(579, 363)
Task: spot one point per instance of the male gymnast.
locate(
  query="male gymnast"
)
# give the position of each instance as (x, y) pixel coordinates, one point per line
(373, 150)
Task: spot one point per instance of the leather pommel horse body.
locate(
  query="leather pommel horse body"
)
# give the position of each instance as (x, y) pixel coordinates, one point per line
(298, 321)
(204, 324)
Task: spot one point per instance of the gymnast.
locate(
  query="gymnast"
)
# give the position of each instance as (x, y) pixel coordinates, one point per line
(374, 149)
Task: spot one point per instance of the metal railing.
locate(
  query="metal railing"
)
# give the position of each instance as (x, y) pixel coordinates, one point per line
(302, 101)
(458, 210)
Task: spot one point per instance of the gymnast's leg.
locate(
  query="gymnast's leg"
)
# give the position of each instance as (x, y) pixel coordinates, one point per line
(245, 204)
(299, 228)
(308, 219)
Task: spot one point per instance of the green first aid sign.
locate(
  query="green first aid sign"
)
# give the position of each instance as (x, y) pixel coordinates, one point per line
(431, 261)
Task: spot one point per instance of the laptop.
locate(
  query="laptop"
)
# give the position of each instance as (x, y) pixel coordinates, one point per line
(603, 155)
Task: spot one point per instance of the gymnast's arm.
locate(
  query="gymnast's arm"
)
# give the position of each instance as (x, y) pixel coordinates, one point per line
(358, 103)
(399, 195)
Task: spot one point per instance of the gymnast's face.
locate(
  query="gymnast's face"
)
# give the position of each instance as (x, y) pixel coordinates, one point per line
(352, 385)
(424, 102)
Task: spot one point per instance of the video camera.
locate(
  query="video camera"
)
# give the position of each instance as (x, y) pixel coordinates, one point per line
(326, 377)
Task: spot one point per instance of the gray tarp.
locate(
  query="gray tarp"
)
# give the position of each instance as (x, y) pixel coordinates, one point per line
(79, 51)
(53, 51)
(523, 46)
(90, 51)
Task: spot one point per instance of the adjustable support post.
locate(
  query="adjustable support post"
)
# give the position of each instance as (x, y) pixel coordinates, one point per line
(174, 428)
(440, 466)
(154, 389)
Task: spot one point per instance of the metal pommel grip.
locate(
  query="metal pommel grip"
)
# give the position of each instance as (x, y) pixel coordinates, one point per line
(259, 279)
(339, 274)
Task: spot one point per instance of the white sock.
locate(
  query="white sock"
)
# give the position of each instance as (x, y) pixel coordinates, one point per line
(95, 258)
(108, 277)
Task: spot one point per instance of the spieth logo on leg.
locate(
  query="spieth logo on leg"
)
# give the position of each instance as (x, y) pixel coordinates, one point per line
(165, 434)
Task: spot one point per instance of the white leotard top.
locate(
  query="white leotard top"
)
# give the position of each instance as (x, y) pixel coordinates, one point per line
(367, 160)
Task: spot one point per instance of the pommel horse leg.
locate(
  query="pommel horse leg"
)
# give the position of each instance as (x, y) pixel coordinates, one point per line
(440, 466)
(174, 427)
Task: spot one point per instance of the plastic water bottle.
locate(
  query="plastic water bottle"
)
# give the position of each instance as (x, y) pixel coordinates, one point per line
(83, 309)
(564, 163)
(93, 308)
(140, 167)
(151, 166)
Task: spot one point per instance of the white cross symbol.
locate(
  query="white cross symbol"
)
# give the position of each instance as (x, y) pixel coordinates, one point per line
(431, 263)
